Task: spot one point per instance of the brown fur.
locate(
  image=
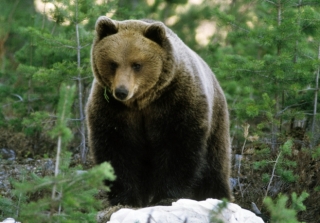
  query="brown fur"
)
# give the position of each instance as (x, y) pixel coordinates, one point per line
(165, 128)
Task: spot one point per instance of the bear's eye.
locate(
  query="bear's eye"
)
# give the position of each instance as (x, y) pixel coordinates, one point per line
(136, 67)
(113, 66)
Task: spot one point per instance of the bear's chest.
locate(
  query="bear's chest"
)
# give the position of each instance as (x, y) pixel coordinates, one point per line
(144, 123)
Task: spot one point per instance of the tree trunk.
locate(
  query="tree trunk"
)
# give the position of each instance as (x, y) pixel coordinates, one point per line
(14, 12)
(315, 102)
(83, 148)
(275, 124)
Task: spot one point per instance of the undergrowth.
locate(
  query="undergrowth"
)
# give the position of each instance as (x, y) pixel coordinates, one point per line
(67, 196)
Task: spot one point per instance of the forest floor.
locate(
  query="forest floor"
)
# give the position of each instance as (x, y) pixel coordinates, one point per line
(252, 188)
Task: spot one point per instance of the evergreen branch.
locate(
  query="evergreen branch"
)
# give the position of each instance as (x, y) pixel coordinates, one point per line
(255, 71)
(19, 200)
(56, 171)
(273, 175)
(68, 119)
(57, 42)
(315, 3)
(80, 78)
(24, 101)
(237, 26)
(246, 132)
(64, 45)
(48, 183)
(308, 56)
(18, 96)
(271, 2)
(315, 102)
(271, 161)
(81, 47)
(310, 89)
(67, 46)
(286, 108)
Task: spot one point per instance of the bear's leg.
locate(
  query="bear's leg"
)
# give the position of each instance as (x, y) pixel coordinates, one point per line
(179, 154)
(176, 177)
(113, 141)
(214, 184)
(216, 176)
(131, 184)
(190, 163)
(126, 193)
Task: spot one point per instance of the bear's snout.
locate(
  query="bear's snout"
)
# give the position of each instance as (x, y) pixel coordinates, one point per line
(121, 93)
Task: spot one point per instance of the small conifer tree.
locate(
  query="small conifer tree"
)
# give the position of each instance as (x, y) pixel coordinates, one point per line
(68, 196)
(281, 166)
(279, 213)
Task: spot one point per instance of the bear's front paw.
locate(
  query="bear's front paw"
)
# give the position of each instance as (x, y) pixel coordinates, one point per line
(165, 202)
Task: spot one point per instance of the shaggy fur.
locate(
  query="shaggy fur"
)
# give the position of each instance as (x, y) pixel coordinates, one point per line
(164, 127)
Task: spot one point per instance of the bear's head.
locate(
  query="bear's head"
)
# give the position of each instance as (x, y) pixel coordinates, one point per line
(131, 58)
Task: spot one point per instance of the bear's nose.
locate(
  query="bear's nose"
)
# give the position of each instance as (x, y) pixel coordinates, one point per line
(121, 92)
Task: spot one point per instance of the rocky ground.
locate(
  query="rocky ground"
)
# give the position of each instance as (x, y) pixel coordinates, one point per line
(13, 168)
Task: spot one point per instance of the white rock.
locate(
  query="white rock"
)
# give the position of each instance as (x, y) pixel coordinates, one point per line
(185, 210)
(9, 220)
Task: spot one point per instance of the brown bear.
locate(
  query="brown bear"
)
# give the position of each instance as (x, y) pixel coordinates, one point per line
(158, 114)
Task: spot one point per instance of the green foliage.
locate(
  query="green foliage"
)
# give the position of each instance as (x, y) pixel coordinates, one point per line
(265, 178)
(68, 196)
(297, 202)
(270, 49)
(316, 153)
(286, 215)
(35, 123)
(76, 201)
(283, 165)
(283, 216)
(64, 112)
(260, 164)
(7, 207)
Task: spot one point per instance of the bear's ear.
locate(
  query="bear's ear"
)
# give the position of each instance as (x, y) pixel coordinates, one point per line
(156, 32)
(105, 27)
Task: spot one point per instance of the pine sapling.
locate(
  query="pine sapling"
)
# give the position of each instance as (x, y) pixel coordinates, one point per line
(286, 215)
(68, 196)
